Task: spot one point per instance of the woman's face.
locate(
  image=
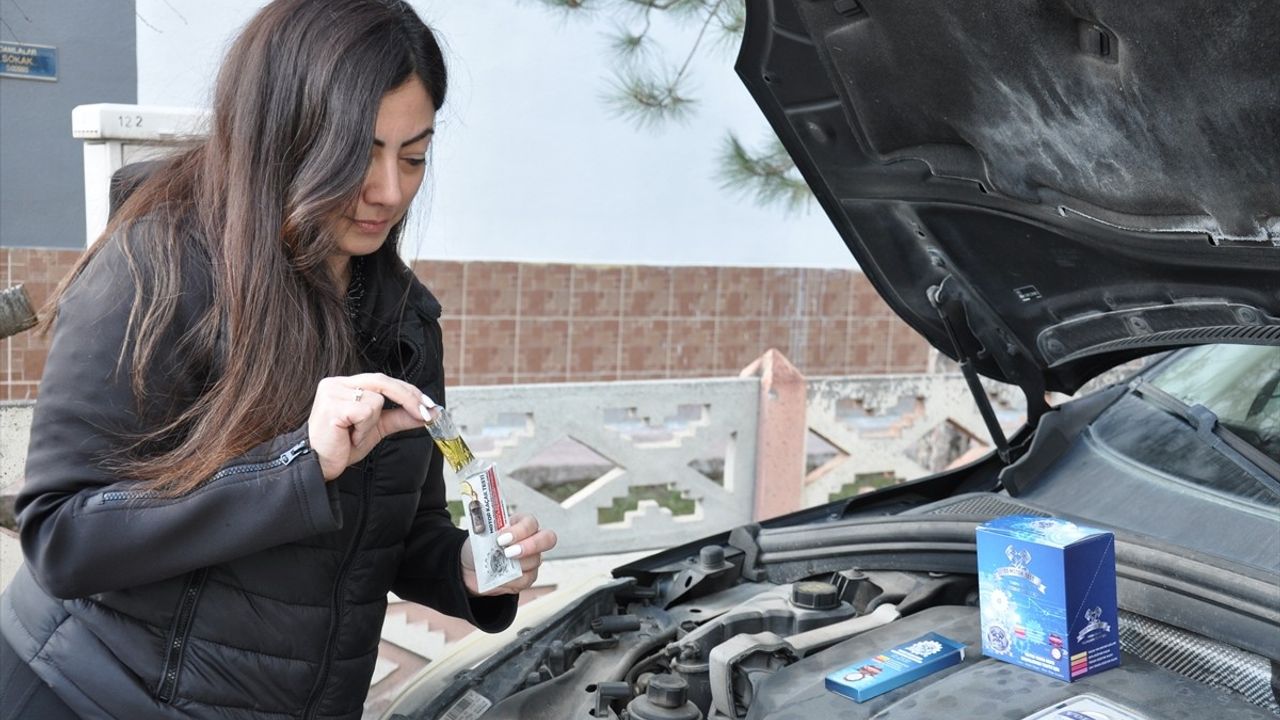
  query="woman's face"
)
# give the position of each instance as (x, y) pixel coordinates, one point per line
(397, 163)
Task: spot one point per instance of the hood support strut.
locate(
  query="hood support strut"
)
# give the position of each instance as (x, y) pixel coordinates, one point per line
(949, 303)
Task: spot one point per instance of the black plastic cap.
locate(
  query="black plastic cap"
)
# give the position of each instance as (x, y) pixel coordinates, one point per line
(815, 595)
(711, 557)
(668, 691)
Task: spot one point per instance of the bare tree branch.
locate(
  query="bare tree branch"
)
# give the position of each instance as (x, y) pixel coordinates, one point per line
(144, 22)
(21, 12)
(181, 17)
(698, 42)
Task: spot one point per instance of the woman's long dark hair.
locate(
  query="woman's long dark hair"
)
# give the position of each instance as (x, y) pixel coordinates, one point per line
(289, 144)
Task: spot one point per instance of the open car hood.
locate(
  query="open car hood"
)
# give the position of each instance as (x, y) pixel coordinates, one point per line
(1083, 183)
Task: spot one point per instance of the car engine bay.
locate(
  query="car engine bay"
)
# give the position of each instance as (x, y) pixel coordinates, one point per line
(719, 634)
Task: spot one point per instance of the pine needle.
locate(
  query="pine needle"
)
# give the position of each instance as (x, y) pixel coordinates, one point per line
(570, 6)
(629, 47)
(676, 8)
(731, 21)
(768, 177)
(648, 100)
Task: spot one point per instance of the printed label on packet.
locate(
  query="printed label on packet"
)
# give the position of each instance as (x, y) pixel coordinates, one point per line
(485, 513)
(896, 667)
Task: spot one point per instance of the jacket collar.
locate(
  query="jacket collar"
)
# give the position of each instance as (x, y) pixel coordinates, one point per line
(393, 304)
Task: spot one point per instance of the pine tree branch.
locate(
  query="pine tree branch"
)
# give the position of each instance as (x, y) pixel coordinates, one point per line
(648, 100)
(674, 6)
(698, 41)
(732, 21)
(768, 177)
(649, 97)
(570, 5)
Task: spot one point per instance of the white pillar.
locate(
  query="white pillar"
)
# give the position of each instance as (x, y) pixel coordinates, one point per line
(101, 160)
(116, 133)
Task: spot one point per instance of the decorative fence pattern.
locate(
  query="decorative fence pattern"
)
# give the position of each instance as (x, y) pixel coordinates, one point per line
(618, 467)
(867, 432)
(572, 454)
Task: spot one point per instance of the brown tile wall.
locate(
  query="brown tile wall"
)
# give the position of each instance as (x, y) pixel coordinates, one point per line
(530, 323)
(22, 356)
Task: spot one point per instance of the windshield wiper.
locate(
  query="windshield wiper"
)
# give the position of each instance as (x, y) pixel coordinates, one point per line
(1216, 435)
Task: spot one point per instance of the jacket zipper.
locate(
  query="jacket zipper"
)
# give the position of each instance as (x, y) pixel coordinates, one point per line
(288, 456)
(419, 361)
(335, 611)
(195, 583)
(178, 642)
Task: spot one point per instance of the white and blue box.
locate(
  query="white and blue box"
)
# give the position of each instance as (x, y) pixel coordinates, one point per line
(1047, 594)
(896, 667)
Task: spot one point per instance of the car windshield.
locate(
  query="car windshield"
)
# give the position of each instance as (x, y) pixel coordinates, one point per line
(1238, 383)
(1181, 447)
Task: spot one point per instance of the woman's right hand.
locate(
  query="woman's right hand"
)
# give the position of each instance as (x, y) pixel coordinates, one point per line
(348, 419)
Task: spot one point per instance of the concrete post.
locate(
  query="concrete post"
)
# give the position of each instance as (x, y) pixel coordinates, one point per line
(101, 160)
(781, 435)
(116, 135)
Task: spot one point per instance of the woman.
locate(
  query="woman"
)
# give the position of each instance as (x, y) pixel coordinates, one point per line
(228, 469)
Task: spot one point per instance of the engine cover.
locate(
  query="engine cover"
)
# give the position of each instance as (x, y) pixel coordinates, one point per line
(980, 687)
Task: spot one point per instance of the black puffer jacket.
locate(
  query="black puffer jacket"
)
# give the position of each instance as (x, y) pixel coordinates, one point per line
(262, 593)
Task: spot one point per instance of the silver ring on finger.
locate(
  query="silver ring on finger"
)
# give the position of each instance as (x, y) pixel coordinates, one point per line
(359, 394)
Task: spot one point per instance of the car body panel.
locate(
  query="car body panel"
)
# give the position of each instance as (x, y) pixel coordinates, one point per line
(1089, 209)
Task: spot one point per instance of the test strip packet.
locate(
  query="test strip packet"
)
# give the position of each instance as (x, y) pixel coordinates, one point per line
(485, 514)
(896, 667)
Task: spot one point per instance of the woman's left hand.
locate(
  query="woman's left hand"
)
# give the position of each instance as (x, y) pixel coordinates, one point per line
(525, 543)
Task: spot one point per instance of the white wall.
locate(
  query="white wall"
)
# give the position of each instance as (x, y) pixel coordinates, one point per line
(529, 163)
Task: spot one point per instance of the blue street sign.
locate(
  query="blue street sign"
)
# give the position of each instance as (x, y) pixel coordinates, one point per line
(28, 62)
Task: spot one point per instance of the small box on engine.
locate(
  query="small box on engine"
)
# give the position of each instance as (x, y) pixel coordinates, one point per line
(1047, 595)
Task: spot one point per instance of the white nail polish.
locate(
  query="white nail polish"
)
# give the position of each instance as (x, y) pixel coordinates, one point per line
(505, 539)
(514, 551)
(428, 417)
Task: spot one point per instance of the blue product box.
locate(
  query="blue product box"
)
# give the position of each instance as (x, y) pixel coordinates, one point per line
(1047, 593)
(896, 667)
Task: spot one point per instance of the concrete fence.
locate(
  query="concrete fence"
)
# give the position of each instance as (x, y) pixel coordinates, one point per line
(624, 466)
